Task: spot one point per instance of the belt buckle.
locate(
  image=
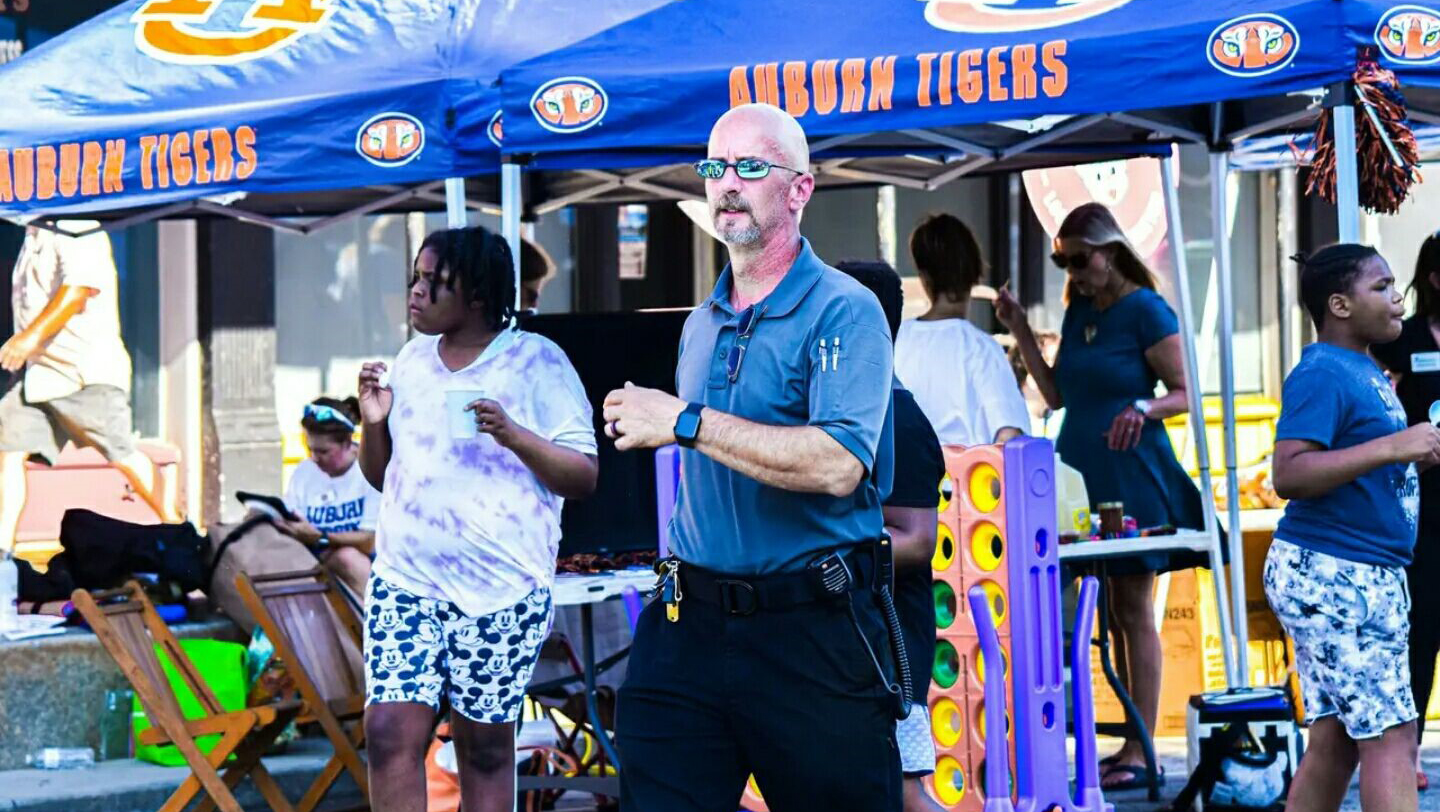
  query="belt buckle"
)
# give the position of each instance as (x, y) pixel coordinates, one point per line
(730, 592)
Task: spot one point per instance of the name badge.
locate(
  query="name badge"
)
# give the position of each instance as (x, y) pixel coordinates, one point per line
(1425, 362)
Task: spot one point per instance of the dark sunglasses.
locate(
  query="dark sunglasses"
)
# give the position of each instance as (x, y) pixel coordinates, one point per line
(326, 414)
(1077, 260)
(748, 320)
(745, 168)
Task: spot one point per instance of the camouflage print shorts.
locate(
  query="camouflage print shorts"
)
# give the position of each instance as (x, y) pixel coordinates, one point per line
(1351, 627)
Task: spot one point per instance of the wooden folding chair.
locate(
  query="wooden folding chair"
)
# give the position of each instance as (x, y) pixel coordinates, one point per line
(299, 613)
(130, 629)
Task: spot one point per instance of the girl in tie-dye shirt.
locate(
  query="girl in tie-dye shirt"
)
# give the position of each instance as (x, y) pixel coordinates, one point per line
(474, 439)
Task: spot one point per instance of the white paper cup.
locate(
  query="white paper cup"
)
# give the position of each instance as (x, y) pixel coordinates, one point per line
(462, 420)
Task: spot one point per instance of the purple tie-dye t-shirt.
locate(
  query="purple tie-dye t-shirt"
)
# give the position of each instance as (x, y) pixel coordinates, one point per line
(464, 520)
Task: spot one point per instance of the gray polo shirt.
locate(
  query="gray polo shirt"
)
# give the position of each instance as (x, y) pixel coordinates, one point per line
(820, 356)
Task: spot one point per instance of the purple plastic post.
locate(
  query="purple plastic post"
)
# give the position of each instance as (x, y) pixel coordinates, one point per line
(667, 485)
(1088, 795)
(633, 606)
(997, 747)
(1036, 631)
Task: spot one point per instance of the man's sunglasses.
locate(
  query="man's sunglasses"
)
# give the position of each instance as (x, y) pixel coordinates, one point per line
(748, 320)
(327, 414)
(1077, 260)
(745, 168)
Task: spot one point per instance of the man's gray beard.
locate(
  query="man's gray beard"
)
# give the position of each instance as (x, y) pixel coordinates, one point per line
(747, 235)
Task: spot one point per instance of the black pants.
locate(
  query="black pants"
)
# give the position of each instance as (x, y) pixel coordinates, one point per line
(791, 697)
(1423, 574)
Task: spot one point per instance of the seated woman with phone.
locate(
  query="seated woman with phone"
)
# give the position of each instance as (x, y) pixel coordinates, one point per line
(334, 508)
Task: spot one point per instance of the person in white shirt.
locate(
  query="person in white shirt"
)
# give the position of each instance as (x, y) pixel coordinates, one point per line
(475, 439)
(65, 372)
(957, 372)
(336, 508)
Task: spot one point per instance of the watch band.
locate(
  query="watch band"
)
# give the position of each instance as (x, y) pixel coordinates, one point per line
(687, 425)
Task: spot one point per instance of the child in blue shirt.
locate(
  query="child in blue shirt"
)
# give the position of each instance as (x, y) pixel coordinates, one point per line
(1334, 574)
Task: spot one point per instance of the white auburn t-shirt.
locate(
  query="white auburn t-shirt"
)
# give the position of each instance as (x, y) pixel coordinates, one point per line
(333, 504)
(464, 520)
(962, 380)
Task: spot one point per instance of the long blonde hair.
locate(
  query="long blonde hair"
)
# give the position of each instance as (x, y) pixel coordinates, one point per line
(1094, 225)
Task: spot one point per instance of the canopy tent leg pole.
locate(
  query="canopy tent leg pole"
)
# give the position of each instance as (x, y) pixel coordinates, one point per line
(510, 206)
(1347, 181)
(1220, 220)
(455, 214)
(1176, 239)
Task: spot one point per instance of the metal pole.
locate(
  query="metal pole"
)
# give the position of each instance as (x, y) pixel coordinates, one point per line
(1347, 184)
(455, 213)
(1290, 324)
(1219, 177)
(1197, 408)
(510, 206)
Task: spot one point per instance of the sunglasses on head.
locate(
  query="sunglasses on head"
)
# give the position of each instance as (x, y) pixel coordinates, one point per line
(748, 320)
(327, 414)
(745, 168)
(1077, 260)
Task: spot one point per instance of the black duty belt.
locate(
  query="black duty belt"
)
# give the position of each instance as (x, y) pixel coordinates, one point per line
(741, 595)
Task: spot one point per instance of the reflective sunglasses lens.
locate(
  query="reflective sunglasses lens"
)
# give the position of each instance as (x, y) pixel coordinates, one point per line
(747, 321)
(710, 170)
(752, 168)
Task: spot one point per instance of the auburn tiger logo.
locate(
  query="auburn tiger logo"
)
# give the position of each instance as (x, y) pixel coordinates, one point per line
(998, 16)
(495, 130)
(569, 104)
(1253, 45)
(391, 139)
(171, 30)
(1410, 35)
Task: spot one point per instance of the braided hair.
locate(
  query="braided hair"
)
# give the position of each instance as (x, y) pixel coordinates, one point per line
(1331, 270)
(482, 263)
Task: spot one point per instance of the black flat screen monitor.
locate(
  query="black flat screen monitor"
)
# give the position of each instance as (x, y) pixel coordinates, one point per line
(608, 349)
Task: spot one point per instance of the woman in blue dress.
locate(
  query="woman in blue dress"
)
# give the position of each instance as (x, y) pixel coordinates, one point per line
(1118, 340)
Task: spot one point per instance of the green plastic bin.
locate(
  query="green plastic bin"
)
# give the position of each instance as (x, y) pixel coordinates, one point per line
(222, 666)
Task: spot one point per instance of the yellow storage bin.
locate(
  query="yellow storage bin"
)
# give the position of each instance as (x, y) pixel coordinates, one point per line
(1255, 418)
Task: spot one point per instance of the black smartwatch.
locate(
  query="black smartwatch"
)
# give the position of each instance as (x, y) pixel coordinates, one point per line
(687, 425)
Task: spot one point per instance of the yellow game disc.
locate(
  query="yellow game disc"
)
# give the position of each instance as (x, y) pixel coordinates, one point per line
(979, 659)
(995, 599)
(947, 492)
(985, 487)
(987, 546)
(949, 781)
(944, 548)
(947, 721)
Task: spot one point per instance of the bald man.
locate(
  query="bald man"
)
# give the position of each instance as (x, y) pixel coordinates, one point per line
(767, 653)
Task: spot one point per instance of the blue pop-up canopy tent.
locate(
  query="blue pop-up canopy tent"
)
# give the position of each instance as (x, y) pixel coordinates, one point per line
(181, 104)
(919, 93)
(928, 73)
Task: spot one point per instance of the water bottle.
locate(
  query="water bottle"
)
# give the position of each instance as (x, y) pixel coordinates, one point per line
(115, 724)
(60, 758)
(9, 590)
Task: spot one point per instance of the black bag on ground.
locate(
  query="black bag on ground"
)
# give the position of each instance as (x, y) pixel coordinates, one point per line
(101, 553)
(1244, 750)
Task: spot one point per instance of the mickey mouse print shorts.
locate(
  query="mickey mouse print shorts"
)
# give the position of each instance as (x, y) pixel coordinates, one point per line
(418, 648)
(1351, 626)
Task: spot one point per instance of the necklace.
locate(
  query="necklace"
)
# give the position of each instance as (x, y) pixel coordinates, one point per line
(1090, 331)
